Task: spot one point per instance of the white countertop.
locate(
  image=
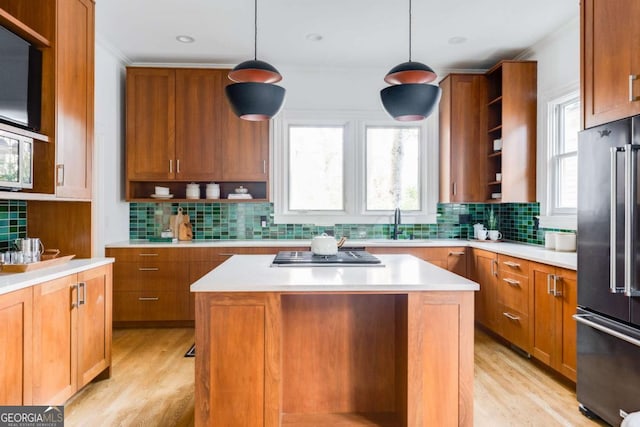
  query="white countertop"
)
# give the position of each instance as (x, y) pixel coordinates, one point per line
(400, 273)
(531, 252)
(14, 281)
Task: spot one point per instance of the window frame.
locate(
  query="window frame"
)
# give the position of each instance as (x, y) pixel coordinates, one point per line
(553, 216)
(355, 124)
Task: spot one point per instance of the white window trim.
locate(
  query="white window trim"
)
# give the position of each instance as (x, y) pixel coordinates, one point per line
(354, 212)
(546, 110)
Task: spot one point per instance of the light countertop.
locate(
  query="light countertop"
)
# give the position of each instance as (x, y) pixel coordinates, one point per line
(400, 273)
(14, 281)
(531, 252)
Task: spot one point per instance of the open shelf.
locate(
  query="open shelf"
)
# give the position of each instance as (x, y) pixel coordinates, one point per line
(495, 129)
(495, 154)
(140, 191)
(495, 100)
(10, 22)
(385, 419)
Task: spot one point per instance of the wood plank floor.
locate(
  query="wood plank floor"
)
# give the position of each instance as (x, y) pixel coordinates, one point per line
(152, 385)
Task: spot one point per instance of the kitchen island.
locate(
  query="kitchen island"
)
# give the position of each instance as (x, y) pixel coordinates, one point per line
(387, 345)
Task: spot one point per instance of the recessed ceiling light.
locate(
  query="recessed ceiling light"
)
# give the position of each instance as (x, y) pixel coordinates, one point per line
(314, 37)
(185, 39)
(457, 40)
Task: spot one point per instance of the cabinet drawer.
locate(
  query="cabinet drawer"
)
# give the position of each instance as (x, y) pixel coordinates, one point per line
(150, 306)
(146, 254)
(515, 327)
(513, 291)
(513, 265)
(150, 275)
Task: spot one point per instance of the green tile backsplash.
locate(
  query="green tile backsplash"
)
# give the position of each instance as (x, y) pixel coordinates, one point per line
(13, 222)
(242, 221)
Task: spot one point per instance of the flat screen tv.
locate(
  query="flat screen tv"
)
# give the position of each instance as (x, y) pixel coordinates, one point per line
(20, 81)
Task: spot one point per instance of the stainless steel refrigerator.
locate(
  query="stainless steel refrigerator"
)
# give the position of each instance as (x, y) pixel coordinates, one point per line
(608, 316)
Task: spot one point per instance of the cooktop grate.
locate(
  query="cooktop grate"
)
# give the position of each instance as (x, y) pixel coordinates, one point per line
(343, 257)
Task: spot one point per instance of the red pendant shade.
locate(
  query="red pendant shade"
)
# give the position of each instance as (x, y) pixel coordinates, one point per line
(410, 72)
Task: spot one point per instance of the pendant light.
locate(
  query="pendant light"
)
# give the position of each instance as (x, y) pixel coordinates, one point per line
(410, 98)
(253, 96)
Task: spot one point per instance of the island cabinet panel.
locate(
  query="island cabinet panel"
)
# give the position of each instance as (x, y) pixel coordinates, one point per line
(16, 340)
(319, 359)
(238, 363)
(440, 387)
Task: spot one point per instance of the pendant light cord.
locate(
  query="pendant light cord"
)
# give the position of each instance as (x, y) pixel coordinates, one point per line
(255, 30)
(409, 30)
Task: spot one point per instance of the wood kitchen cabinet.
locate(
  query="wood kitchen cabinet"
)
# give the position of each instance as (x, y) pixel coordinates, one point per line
(484, 271)
(554, 296)
(71, 334)
(16, 342)
(180, 129)
(462, 136)
(511, 118)
(514, 301)
(74, 97)
(610, 84)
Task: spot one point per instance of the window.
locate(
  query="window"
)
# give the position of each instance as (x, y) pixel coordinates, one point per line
(353, 167)
(559, 170)
(563, 159)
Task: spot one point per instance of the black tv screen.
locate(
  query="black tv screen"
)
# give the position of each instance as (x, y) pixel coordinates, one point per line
(20, 81)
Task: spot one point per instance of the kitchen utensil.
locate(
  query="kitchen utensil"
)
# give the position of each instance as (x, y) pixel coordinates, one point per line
(162, 191)
(565, 242)
(32, 248)
(494, 235)
(162, 196)
(477, 227)
(185, 231)
(324, 245)
(482, 234)
(50, 254)
(241, 190)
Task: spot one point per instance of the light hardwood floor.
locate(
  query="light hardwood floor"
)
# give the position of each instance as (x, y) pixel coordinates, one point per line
(153, 383)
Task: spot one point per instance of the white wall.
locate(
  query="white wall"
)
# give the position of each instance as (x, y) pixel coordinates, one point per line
(110, 213)
(558, 57)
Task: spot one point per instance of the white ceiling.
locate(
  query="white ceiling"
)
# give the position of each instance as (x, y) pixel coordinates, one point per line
(356, 33)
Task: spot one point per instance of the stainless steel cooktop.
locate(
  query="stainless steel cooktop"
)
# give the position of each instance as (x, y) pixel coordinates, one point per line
(342, 258)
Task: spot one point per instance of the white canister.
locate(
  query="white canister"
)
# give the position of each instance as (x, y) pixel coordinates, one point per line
(565, 242)
(193, 191)
(550, 240)
(213, 191)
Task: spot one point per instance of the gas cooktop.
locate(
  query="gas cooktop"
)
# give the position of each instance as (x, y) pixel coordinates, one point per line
(342, 258)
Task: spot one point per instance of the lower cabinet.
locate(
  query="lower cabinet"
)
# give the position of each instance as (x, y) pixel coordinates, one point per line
(554, 329)
(453, 259)
(59, 333)
(484, 270)
(71, 334)
(514, 301)
(15, 340)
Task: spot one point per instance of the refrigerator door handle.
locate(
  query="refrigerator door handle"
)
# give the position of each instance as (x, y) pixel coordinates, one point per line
(629, 216)
(585, 319)
(613, 242)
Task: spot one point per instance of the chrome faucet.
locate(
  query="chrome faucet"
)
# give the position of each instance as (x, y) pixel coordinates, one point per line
(396, 224)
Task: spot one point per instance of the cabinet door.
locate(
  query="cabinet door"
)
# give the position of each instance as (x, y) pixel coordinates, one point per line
(544, 316)
(245, 146)
(457, 261)
(568, 302)
(610, 59)
(198, 103)
(55, 340)
(74, 98)
(462, 156)
(15, 340)
(94, 323)
(485, 272)
(151, 124)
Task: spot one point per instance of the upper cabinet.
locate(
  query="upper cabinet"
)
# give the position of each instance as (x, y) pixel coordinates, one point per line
(462, 136)
(74, 98)
(180, 129)
(610, 62)
(511, 130)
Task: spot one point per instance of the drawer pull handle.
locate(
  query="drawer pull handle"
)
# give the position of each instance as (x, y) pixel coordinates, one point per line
(512, 282)
(148, 269)
(148, 254)
(510, 316)
(457, 253)
(512, 264)
(148, 299)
